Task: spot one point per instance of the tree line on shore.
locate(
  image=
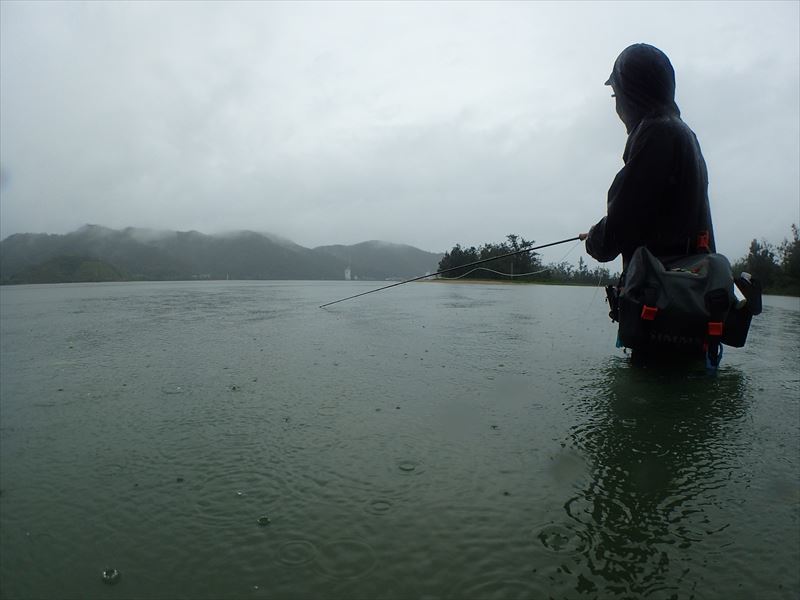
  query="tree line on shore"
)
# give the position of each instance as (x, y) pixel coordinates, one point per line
(776, 266)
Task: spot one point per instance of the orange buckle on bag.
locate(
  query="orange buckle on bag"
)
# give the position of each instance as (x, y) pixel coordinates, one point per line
(714, 328)
(703, 242)
(649, 312)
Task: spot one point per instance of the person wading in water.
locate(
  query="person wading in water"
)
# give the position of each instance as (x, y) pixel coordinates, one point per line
(658, 204)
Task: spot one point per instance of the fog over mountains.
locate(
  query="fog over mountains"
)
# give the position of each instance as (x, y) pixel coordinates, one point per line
(96, 253)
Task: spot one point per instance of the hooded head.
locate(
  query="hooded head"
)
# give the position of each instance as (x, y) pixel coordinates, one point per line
(643, 81)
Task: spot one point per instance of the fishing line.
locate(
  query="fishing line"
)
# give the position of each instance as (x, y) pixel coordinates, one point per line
(472, 264)
(563, 258)
(596, 287)
(513, 274)
(493, 271)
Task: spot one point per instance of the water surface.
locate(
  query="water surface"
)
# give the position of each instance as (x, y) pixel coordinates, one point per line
(435, 440)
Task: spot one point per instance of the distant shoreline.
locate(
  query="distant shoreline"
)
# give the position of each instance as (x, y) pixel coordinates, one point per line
(507, 282)
(460, 281)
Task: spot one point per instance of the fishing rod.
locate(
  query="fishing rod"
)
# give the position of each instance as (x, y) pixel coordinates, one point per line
(472, 264)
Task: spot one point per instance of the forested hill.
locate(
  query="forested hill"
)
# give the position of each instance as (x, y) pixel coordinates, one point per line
(371, 260)
(139, 254)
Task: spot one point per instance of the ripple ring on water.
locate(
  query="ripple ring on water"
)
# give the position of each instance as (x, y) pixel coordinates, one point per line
(295, 553)
(213, 505)
(560, 539)
(378, 506)
(407, 466)
(346, 559)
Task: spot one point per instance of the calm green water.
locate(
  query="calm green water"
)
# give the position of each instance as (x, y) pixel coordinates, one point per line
(432, 441)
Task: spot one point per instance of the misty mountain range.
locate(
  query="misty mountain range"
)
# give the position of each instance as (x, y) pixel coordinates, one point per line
(95, 253)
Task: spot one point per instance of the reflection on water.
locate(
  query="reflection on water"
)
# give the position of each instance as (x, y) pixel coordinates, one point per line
(657, 463)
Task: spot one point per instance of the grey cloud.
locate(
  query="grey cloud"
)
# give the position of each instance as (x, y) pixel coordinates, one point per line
(427, 124)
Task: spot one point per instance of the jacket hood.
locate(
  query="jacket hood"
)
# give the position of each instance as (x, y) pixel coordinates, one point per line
(644, 80)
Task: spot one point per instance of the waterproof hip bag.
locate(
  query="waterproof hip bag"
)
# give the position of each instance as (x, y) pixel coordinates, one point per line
(683, 306)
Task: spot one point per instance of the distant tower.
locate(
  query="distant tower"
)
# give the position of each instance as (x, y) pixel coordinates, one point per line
(347, 273)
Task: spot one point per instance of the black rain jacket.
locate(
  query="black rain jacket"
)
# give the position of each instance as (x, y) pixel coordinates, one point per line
(660, 197)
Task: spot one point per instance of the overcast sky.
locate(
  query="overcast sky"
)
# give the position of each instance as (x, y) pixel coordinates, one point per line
(419, 123)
